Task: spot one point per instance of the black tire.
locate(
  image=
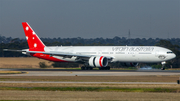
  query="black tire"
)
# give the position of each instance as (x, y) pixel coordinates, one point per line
(108, 67)
(162, 68)
(82, 68)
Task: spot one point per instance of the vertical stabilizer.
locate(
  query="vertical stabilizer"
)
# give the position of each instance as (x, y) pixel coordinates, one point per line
(34, 42)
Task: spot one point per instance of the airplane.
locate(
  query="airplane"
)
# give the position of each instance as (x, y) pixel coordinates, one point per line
(94, 56)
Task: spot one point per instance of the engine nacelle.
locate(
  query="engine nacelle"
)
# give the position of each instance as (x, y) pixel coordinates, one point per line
(129, 64)
(98, 61)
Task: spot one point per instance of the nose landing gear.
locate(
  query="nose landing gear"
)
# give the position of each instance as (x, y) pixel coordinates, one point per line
(163, 64)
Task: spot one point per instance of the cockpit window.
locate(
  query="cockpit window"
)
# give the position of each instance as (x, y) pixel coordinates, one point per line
(169, 52)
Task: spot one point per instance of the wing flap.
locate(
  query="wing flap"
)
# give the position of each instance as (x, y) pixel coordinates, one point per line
(60, 54)
(55, 53)
(66, 54)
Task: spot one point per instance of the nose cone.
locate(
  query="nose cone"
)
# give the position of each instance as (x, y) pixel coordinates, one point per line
(172, 56)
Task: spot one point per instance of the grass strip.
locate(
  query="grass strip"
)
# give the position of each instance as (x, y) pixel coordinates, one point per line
(169, 90)
(17, 100)
(156, 78)
(10, 72)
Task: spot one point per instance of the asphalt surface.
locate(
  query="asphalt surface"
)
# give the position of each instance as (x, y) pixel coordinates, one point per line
(71, 72)
(78, 70)
(88, 82)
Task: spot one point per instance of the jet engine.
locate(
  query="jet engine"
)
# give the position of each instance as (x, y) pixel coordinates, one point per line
(98, 61)
(129, 64)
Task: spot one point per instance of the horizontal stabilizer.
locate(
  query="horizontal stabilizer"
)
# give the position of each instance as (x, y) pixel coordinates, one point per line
(14, 50)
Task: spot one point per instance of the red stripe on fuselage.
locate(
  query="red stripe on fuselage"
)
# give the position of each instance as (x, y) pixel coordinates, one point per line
(100, 61)
(46, 57)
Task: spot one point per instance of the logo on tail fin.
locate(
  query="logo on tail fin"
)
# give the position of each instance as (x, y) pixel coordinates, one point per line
(34, 42)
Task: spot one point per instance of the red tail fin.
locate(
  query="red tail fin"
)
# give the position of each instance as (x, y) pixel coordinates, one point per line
(35, 44)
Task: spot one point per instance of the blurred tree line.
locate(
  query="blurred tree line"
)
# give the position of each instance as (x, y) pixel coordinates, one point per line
(18, 44)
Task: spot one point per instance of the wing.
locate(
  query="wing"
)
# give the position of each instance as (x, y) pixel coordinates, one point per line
(62, 54)
(66, 54)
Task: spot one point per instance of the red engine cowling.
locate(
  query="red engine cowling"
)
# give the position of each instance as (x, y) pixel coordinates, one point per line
(129, 64)
(98, 61)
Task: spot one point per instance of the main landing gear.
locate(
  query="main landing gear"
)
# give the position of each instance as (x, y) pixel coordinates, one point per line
(86, 68)
(91, 68)
(163, 65)
(104, 68)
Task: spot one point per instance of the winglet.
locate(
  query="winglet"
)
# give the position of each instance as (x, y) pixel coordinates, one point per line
(34, 42)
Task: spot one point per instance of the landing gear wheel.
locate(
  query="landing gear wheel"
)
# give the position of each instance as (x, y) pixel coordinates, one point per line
(86, 68)
(163, 64)
(162, 68)
(82, 68)
(108, 67)
(104, 68)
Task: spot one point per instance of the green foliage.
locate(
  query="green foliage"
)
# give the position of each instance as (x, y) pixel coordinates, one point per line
(43, 65)
(16, 46)
(170, 90)
(157, 66)
(132, 68)
(115, 65)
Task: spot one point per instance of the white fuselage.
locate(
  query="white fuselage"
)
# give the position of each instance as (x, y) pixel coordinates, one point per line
(148, 54)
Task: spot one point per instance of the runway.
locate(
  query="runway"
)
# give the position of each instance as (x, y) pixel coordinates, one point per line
(88, 82)
(66, 72)
(95, 73)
